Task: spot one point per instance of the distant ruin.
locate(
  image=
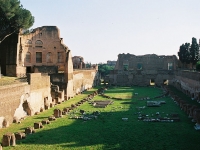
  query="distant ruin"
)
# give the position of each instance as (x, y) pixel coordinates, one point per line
(156, 70)
(143, 70)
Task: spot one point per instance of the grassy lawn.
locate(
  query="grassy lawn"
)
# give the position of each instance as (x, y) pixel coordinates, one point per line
(4, 80)
(109, 131)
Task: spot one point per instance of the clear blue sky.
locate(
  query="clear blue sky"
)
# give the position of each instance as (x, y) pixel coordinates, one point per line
(99, 30)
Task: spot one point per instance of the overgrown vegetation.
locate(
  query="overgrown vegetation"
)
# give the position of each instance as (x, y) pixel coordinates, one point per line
(109, 131)
(104, 69)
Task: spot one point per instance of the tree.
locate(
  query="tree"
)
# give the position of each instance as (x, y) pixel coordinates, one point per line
(198, 66)
(104, 69)
(13, 17)
(184, 53)
(194, 52)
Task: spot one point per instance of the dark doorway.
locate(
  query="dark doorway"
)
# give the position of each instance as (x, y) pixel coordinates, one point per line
(26, 107)
(28, 70)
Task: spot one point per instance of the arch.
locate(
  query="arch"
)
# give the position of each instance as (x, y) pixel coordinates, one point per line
(38, 43)
(28, 57)
(49, 57)
(26, 104)
(28, 41)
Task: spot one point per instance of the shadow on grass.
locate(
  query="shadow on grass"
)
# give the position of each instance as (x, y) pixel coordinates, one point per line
(109, 131)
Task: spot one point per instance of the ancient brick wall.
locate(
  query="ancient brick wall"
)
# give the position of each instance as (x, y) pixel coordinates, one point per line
(188, 82)
(10, 96)
(19, 53)
(142, 70)
(146, 62)
(84, 79)
(19, 100)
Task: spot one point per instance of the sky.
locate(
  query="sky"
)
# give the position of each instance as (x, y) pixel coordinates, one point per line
(99, 30)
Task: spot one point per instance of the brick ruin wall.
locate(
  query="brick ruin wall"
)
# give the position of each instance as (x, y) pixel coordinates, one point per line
(20, 100)
(188, 82)
(84, 79)
(77, 82)
(10, 99)
(139, 77)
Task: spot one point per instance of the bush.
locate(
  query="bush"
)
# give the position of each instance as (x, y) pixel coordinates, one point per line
(198, 66)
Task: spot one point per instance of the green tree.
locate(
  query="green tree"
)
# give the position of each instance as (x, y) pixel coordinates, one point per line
(198, 66)
(194, 52)
(13, 17)
(184, 53)
(104, 69)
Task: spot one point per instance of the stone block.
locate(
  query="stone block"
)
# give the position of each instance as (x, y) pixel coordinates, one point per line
(45, 122)
(57, 113)
(29, 130)
(38, 125)
(20, 135)
(51, 118)
(9, 139)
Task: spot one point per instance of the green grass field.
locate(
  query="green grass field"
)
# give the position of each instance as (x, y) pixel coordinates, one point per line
(109, 131)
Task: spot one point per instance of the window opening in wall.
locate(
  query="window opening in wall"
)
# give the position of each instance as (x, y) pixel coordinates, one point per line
(54, 47)
(125, 67)
(165, 82)
(152, 82)
(60, 57)
(139, 66)
(38, 57)
(170, 66)
(38, 44)
(28, 57)
(28, 43)
(28, 69)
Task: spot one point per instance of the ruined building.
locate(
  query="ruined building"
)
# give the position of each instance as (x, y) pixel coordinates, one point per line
(22, 53)
(42, 57)
(143, 70)
(78, 62)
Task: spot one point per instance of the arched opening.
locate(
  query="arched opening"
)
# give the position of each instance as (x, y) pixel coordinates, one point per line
(165, 82)
(152, 82)
(46, 104)
(26, 107)
(39, 44)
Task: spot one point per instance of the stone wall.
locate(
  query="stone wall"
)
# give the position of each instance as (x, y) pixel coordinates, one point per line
(20, 100)
(84, 79)
(139, 77)
(10, 99)
(142, 70)
(188, 82)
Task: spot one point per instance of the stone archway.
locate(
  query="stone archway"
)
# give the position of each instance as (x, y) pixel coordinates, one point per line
(26, 105)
